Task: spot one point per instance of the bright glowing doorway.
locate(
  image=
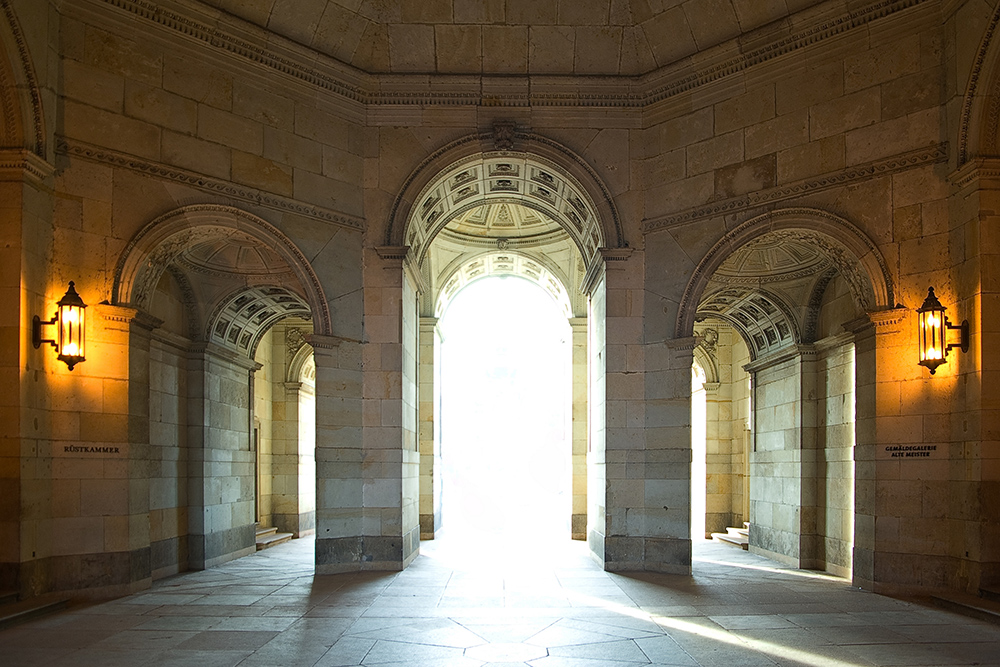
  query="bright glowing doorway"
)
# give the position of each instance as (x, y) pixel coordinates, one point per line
(505, 412)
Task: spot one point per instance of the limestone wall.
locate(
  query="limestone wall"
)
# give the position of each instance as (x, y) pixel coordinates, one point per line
(856, 124)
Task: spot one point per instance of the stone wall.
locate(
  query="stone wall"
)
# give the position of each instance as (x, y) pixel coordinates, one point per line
(861, 123)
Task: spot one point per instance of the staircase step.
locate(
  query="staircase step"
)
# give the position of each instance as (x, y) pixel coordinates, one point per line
(264, 532)
(8, 597)
(738, 532)
(272, 539)
(729, 538)
(969, 605)
(990, 594)
(13, 613)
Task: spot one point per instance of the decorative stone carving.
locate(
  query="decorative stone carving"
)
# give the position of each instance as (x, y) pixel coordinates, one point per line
(294, 339)
(503, 135)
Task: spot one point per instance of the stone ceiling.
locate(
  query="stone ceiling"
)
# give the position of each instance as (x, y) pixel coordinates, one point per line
(625, 37)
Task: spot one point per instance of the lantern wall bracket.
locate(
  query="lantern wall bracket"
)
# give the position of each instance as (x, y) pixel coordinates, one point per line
(70, 321)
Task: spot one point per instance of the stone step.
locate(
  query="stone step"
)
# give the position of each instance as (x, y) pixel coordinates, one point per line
(740, 541)
(264, 532)
(969, 605)
(8, 597)
(990, 594)
(12, 613)
(738, 532)
(271, 538)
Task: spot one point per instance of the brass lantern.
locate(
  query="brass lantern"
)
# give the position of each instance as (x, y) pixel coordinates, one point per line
(934, 326)
(71, 320)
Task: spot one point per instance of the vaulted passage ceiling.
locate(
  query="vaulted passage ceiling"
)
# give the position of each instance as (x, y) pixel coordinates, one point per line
(512, 36)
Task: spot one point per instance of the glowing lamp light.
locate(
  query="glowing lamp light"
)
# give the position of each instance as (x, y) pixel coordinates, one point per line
(71, 320)
(934, 326)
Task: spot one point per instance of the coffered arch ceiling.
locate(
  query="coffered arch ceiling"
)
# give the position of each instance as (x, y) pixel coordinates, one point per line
(770, 290)
(626, 37)
(504, 238)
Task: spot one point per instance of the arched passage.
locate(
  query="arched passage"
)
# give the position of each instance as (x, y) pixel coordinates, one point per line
(526, 206)
(792, 286)
(218, 298)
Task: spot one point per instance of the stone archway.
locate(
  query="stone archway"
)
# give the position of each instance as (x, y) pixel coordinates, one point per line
(204, 289)
(152, 250)
(479, 176)
(793, 285)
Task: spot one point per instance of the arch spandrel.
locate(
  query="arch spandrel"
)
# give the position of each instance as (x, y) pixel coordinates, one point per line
(980, 114)
(850, 251)
(22, 125)
(157, 245)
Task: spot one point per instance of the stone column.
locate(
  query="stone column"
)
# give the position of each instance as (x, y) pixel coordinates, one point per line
(340, 542)
(221, 464)
(783, 461)
(578, 521)
(374, 524)
(882, 349)
(719, 512)
(25, 251)
(430, 450)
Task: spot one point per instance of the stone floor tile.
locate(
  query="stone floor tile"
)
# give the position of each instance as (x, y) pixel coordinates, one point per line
(390, 651)
(346, 651)
(624, 650)
(505, 652)
(736, 609)
(227, 640)
(745, 622)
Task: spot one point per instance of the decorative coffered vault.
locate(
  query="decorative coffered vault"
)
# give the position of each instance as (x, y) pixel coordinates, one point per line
(240, 321)
(504, 179)
(506, 263)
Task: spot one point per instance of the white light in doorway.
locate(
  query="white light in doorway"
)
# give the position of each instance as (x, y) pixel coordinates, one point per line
(505, 429)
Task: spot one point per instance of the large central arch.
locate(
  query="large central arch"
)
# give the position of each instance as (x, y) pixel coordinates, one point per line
(505, 167)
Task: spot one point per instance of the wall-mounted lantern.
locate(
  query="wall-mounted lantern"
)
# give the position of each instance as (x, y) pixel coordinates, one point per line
(71, 320)
(934, 326)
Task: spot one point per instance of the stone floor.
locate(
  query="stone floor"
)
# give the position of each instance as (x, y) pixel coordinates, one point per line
(539, 606)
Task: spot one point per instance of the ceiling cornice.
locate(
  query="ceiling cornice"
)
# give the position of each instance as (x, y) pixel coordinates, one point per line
(245, 40)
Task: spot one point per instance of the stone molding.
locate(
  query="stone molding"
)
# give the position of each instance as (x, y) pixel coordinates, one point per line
(217, 186)
(122, 317)
(393, 253)
(780, 356)
(394, 89)
(20, 164)
(981, 172)
(325, 342)
(858, 173)
(223, 354)
(888, 321)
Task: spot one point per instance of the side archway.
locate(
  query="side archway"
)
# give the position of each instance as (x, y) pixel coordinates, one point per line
(155, 247)
(849, 250)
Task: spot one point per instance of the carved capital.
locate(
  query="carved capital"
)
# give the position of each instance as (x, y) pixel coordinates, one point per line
(322, 342)
(888, 321)
(122, 317)
(18, 164)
